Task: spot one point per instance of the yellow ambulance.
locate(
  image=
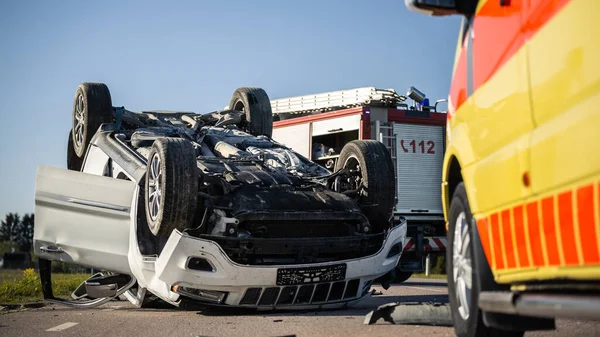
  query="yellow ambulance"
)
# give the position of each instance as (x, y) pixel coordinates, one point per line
(521, 173)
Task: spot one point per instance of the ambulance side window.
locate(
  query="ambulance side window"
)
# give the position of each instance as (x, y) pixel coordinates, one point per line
(467, 23)
(468, 8)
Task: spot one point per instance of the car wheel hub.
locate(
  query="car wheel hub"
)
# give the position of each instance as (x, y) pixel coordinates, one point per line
(239, 106)
(79, 120)
(353, 166)
(154, 187)
(462, 265)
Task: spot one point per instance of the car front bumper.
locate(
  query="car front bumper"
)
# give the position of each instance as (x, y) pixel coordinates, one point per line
(256, 286)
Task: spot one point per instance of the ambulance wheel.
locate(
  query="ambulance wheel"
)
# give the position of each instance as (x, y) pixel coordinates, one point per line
(463, 287)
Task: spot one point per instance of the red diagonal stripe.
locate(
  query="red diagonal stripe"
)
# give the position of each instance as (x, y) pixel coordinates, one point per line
(550, 231)
(587, 224)
(522, 243)
(567, 228)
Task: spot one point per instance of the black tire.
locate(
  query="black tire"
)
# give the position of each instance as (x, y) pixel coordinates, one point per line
(377, 175)
(402, 276)
(473, 325)
(73, 161)
(92, 106)
(257, 110)
(178, 186)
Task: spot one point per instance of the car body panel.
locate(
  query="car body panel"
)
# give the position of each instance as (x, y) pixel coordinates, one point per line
(496, 111)
(565, 98)
(97, 163)
(86, 216)
(458, 148)
(553, 236)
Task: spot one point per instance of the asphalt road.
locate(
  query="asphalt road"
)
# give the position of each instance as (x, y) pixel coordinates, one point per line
(118, 318)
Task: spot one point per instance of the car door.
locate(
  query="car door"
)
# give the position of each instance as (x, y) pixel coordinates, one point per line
(83, 218)
(500, 122)
(565, 90)
(495, 112)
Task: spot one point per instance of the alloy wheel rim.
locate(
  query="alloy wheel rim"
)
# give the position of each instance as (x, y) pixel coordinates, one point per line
(353, 165)
(79, 120)
(239, 106)
(462, 265)
(154, 187)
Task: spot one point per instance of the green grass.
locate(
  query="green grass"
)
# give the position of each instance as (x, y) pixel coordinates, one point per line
(431, 276)
(10, 275)
(18, 286)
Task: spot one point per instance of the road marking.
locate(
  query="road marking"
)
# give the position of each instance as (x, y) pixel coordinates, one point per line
(63, 326)
(428, 289)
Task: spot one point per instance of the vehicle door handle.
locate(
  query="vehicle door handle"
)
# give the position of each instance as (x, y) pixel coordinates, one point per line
(504, 3)
(53, 250)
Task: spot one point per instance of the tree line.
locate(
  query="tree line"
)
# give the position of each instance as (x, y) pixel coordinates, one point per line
(18, 230)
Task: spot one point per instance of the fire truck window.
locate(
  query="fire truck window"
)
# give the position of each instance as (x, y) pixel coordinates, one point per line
(330, 145)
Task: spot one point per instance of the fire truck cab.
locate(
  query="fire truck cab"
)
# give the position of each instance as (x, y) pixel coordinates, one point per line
(319, 125)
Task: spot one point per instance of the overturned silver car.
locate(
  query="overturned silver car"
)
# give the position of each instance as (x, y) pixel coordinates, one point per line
(208, 209)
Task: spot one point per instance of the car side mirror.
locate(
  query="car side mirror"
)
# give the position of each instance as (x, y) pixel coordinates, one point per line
(433, 7)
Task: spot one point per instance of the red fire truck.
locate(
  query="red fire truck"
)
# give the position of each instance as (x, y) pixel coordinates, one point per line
(317, 126)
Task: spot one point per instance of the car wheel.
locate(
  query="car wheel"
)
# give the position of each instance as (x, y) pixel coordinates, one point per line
(171, 186)
(73, 161)
(463, 287)
(256, 105)
(402, 276)
(372, 175)
(92, 107)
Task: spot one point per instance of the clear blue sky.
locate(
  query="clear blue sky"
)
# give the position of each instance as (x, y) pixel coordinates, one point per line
(192, 55)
